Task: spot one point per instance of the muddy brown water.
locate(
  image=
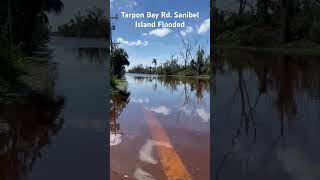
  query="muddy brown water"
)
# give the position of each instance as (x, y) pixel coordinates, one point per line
(161, 118)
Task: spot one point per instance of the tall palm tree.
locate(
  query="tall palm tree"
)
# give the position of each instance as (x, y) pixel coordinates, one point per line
(154, 61)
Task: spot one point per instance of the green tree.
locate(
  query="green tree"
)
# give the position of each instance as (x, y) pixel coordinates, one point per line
(154, 61)
(29, 21)
(119, 61)
(200, 60)
(92, 23)
(193, 64)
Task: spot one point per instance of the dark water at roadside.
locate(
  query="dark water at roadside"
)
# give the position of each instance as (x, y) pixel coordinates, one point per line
(53, 127)
(266, 116)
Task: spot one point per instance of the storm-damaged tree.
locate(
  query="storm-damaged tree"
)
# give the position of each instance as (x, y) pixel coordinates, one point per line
(186, 48)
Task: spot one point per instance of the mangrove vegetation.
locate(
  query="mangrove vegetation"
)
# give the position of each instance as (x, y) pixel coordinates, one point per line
(267, 23)
(90, 24)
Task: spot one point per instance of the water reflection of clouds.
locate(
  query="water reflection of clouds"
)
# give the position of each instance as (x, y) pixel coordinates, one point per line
(146, 156)
(186, 110)
(140, 100)
(203, 114)
(160, 109)
(140, 174)
(146, 151)
(115, 139)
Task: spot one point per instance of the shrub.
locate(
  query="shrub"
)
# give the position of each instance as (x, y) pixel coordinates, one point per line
(315, 32)
(188, 72)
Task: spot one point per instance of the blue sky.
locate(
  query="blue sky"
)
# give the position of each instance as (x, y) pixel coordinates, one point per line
(144, 44)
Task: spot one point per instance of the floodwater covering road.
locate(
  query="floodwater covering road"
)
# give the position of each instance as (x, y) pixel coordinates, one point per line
(160, 129)
(266, 109)
(53, 126)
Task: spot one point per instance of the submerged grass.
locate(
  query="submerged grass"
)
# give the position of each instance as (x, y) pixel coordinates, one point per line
(118, 85)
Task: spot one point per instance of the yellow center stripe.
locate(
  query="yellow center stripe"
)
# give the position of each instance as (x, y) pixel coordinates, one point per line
(169, 158)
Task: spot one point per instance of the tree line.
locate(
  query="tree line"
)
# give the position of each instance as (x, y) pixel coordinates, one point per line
(93, 23)
(24, 27)
(200, 66)
(24, 24)
(267, 22)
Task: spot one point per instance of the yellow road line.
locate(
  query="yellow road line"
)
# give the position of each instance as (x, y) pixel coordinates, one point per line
(169, 158)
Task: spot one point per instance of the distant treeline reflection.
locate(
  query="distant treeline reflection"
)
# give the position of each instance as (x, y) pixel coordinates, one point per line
(197, 85)
(92, 55)
(282, 78)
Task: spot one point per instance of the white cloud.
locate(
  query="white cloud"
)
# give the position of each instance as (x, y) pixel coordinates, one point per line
(133, 43)
(144, 34)
(131, 4)
(123, 4)
(204, 115)
(204, 27)
(160, 109)
(162, 32)
(186, 31)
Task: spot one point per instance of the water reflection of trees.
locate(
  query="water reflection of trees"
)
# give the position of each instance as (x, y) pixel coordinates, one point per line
(173, 83)
(118, 102)
(27, 125)
(281, 79)
(283, 75)
(30, 116)
(92, 55)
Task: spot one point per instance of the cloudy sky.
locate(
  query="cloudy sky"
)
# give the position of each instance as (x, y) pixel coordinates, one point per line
(144, 44)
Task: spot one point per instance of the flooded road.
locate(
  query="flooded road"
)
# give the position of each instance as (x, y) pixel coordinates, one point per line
(52, 124)
(266, 116)
(160, 129)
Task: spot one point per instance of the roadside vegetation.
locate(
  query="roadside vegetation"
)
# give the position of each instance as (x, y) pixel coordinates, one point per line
(200, 66)
(90, 24)
(119, 59)
(24, 28)
(192, 59)
(267, 23)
